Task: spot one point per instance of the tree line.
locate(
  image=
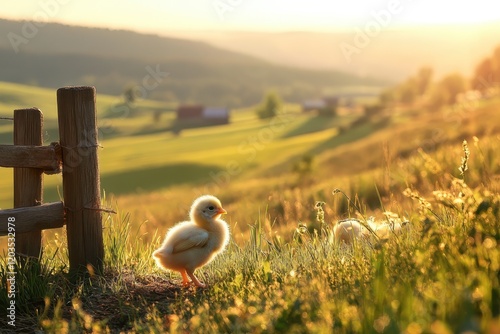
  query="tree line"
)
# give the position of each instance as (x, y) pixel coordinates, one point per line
(422, 90)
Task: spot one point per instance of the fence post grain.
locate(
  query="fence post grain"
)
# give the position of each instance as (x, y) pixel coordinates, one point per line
(28, 181)
(81, 183)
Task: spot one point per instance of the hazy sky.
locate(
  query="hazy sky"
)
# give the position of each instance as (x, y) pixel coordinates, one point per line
(164, 16)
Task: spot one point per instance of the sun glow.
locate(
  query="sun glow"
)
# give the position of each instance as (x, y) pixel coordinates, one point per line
(263, 15)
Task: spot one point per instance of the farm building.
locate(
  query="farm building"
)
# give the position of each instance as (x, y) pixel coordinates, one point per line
(217, 115)
(320, 104)
(203, 115)
(310, 105)
(190, 112)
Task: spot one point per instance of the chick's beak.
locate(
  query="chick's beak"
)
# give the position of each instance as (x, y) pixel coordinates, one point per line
(221, 211)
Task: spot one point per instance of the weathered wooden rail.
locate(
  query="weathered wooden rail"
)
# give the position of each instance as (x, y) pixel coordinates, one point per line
(47, 158)
(75, 155)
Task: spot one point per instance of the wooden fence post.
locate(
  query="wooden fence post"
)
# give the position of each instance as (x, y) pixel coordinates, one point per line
(28, 181)
(81, 183)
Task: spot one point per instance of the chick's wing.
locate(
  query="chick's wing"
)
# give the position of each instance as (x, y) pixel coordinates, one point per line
(187, 239)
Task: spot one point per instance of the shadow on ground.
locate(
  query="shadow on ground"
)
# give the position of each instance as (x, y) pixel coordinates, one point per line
(148, 179)
(316, 124)
(135, 300)
(115, 309)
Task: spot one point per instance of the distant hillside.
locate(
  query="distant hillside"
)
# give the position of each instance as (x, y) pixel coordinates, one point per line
(59, 55)
(55, 38)
(393, 54)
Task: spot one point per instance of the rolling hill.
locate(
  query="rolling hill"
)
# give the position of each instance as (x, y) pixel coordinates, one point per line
(252, 158)
(393, 54)
(281, 181)
(58, 55)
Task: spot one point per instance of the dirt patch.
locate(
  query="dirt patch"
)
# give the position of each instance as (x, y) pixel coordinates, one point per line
(116, 300)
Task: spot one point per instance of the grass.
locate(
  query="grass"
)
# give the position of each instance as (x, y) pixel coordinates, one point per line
(282, 272)
(136, 148)
(441, 275)
(143, 178)
(252, 151)
(15, 96)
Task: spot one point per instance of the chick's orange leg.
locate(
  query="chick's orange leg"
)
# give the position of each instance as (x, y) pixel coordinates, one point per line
(185, 280)
(194, 279)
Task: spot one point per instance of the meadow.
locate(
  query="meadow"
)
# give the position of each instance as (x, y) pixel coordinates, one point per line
(284, 183)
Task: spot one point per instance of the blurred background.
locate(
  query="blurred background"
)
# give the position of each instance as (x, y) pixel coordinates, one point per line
(268, 105)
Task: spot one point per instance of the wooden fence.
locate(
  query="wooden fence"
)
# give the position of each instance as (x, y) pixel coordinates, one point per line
(75, 155)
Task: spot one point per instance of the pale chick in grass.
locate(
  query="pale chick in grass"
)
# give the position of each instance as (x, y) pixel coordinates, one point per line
(194, 243)
(346, 231)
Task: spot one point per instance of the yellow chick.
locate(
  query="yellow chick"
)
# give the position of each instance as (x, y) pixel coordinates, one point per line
(347, 230)
(192, 244)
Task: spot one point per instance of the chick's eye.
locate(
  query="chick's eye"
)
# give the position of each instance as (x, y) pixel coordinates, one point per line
(211, 208)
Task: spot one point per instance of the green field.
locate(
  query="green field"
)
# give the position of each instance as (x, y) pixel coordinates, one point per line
(134, 148)
(282, 272)
(250, 162)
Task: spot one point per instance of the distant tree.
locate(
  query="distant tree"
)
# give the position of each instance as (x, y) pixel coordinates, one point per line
(452, 85)
(408, 91)
(157, 116)
(129, 95)
(437, 97)
(446, 90)
(487, 74)
(387, 97)
(270, 106)
(423, 80)
(303, 168)
(496, 65)
(480, 80)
